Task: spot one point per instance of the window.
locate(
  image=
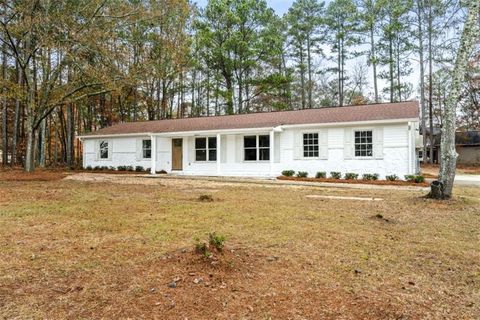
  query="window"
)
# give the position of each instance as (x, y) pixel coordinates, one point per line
(363, 143)
(256, 148)
(206, 149)
(104, 149)
(310, 145)
(147, 149)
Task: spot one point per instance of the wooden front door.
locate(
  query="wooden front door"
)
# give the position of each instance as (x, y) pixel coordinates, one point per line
(177, 154)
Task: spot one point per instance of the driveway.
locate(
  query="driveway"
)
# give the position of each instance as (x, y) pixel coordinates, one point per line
(467, 180)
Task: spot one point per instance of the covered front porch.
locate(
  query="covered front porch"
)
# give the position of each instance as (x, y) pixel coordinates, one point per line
(242, 152)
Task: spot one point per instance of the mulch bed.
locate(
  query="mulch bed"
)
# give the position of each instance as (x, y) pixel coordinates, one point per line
(374, 182)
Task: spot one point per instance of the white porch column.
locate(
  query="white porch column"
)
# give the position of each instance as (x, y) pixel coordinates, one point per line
(272, 151)
(219, 153)
(153, 168)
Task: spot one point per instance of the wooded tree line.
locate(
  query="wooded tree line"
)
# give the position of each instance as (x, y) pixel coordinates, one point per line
(74, 66)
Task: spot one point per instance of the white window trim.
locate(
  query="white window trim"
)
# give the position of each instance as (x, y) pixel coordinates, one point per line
(257, 147)
(151, 149)
(303, 145)
(109, 150)
(207, 149)
(354, 130)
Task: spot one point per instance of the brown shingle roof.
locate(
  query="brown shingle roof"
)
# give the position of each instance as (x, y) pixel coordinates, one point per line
(387, 111)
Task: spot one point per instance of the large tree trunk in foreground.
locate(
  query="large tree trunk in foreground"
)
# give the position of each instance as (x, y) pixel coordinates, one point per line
(442, 189)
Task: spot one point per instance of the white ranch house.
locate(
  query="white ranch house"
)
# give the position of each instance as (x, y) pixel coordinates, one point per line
(377, 138)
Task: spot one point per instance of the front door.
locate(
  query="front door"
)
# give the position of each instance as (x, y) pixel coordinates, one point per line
(177, 154)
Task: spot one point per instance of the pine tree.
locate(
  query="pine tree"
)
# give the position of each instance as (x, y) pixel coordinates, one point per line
(343, 30)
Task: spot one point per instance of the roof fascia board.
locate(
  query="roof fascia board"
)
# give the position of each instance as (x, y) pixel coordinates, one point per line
(120, 135)
(349, 123)
(204, 132)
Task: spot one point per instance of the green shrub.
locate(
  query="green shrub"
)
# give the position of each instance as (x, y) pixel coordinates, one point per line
(111, 168)
(139, 169)
(370, 176)
(419, 179)
(415, 178)
(161, 172)
(104, 168)
(122, 168)
(351, 176)
(288, 173)
(97, 168)
(129, 168)
(336, 175)
(148, 169)
(202, 248)
(88, 168)
(302, 174)
(217, 241)
(392, 177)
(321, 175)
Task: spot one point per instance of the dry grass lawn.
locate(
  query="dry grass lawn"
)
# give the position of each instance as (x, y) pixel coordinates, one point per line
(75, 249)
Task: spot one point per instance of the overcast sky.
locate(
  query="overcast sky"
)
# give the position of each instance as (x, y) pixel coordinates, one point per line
(280, 6)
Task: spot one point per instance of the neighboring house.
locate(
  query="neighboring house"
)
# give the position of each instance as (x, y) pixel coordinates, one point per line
(377, 138)
(468, 147)
(467, 144)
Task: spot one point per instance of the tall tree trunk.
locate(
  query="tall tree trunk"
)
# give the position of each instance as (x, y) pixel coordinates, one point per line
(339, 66)
(30, 151)
(4, 108)
(442, 189)
(342, 72)
(217, 88)
(302, 77)
(229, 86)
(390, 70)
(55, 147)
(30, 79)
(16, 120)
(374, 62)
(208, 93)
(309, 67)
(42, 144)
(430, 81)
(240, 90)
(70, 136)
(399, 72)
(420, 8)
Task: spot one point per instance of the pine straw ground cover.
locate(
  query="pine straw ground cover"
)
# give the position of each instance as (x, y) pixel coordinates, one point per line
(73, 249)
